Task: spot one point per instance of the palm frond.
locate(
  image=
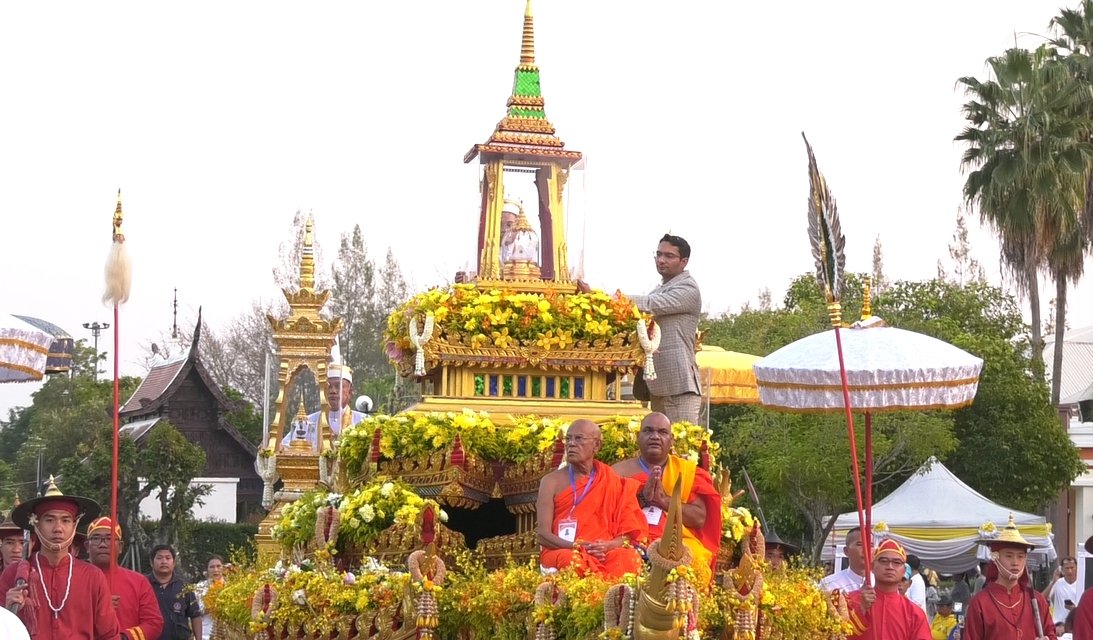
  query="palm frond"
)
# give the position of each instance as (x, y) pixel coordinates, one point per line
(824, 232)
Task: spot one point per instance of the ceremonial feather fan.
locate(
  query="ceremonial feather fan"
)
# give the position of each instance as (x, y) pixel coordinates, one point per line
(824, 232)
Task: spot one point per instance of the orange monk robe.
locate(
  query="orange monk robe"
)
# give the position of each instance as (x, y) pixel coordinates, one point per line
(608, 510)
(705, 541)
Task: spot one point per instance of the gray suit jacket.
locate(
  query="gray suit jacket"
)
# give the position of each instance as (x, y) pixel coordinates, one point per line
(677, 306)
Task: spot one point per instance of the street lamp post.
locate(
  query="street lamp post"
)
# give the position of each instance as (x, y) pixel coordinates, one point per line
(96, 329)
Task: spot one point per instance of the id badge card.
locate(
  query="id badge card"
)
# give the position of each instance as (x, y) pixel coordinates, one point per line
(567, 530)
(652, 514)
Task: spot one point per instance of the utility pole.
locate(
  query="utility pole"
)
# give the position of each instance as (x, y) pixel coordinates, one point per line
(96, 329)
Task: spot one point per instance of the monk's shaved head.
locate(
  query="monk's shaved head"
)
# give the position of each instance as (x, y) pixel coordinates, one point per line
(657, 419)
(655, 439)
(584, 426)
(582, 442)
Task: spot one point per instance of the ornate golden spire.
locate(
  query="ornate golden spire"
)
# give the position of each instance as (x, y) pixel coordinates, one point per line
(118, 235)
(307, 257)
(527, 45)
(866, 306)
(525, 129)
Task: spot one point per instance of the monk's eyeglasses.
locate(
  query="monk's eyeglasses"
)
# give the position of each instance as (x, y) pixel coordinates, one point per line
(581, 439)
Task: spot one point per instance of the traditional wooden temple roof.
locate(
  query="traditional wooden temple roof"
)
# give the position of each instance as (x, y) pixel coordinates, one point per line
(525, 129)
(150, 401)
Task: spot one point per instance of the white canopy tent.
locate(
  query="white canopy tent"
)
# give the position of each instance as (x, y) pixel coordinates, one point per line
(938, 518)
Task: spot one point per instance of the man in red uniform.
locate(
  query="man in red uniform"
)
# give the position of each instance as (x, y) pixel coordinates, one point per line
(1083, 615)
(588, 516)
(658, 471)
(62, 598)
(881, 612)
(1007, 608)
(11, 542)
(134, 601)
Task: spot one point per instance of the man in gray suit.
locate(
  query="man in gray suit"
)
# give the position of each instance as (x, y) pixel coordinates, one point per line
(676, 304)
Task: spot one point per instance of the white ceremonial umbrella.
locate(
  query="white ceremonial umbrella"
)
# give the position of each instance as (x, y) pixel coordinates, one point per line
(31, 348)
(887, 369)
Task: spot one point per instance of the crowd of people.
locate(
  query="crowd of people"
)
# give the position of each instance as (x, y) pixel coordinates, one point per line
(59, 596)
(595, 518)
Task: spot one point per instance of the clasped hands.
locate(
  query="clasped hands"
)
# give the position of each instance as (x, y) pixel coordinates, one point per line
(598, 549)
(652, 494)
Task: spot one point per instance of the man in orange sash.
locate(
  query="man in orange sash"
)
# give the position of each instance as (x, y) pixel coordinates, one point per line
(588, 516)
(658, 471)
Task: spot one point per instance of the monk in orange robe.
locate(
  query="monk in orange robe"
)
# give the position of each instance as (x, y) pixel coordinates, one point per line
(588, 516)
(658, 470)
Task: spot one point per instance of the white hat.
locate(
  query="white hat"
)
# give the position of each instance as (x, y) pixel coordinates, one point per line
(340, 371)
(514, 207)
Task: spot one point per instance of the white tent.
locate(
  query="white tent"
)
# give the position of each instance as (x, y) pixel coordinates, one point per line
(939, 518)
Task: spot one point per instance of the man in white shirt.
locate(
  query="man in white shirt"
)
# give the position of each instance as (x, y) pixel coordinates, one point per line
(1064, 591)
(916, 593)
(852, 577)
(339, 388)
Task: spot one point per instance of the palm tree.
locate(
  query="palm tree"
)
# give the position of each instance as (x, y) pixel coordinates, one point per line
(1028, 153)
(1067, 259)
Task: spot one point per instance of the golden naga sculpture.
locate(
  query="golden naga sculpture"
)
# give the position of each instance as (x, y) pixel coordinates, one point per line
(667, 600)
(745, 585)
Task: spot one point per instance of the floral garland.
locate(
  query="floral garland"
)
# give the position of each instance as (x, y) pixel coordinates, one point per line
(736, 523)
(314, 595)
(463, 314)
(499, 604)
(417, 434)
(362, 514)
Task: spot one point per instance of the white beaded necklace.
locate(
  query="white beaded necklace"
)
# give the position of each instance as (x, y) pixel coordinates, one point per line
(45, 590)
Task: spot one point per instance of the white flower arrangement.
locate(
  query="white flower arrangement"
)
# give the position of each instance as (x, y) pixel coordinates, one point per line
(650, 342)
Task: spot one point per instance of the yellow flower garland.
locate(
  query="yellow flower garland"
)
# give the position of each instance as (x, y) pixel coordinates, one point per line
(502, 319)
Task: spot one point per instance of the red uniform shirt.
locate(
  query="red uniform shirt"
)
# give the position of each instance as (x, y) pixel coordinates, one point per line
(86, 614)
(892, 617)
(997, 614)
(138, 609)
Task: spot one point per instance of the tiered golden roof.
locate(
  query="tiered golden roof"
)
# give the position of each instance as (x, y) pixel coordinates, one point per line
(525, 129)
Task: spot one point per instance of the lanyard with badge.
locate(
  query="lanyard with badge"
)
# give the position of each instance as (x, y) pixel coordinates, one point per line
(567, 528)
(652, 512)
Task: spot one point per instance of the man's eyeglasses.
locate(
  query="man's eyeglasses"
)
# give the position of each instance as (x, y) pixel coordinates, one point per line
(891, 562)
(580, 439)
(670, 256)
(97, 540)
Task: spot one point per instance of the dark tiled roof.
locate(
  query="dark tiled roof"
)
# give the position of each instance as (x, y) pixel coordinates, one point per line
(157, 381)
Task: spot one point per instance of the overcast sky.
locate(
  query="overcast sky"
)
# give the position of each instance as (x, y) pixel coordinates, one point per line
(220, 119)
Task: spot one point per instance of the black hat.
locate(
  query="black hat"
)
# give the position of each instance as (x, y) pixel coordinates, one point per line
(772, 540)
(945, 601)
(84, 507)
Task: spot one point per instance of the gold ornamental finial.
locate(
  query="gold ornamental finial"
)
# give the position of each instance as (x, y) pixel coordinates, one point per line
(307, 257)
(118, 235)
(51, 488)
(527, 44)
(301, 413)
(866, 306)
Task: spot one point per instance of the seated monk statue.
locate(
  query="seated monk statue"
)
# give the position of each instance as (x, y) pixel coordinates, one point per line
(658, 470)
(588, 516)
